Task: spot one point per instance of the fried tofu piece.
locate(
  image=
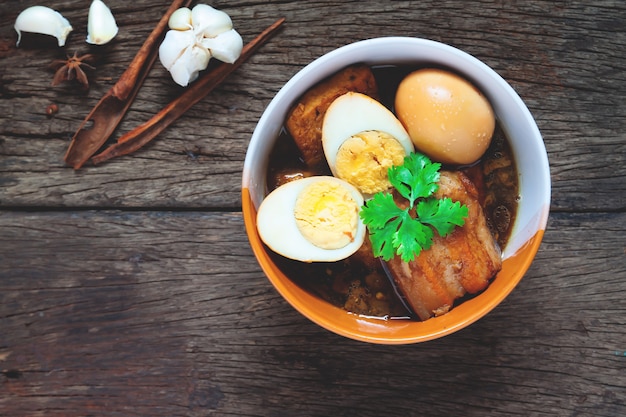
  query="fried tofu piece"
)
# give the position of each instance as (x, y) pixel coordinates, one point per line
(304, 121)
(463, 262)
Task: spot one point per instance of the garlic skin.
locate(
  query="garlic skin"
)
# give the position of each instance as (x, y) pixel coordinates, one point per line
(226, 47)
(209, 21)
(183, 65)
(101, 26)
(196, 36)
(180, 19)
(42, 20)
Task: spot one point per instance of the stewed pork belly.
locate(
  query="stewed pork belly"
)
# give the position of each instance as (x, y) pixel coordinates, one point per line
(463, 262)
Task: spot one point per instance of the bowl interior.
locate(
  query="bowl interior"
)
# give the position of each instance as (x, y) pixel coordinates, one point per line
(527, 146)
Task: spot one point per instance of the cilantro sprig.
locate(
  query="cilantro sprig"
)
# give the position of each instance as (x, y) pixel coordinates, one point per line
(407, 231)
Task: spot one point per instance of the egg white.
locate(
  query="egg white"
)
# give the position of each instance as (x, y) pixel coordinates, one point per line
(277, 226)
(353, 113)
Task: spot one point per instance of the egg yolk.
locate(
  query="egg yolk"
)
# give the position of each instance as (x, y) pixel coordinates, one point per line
(364, 159)
(327, 215)
(446, 116)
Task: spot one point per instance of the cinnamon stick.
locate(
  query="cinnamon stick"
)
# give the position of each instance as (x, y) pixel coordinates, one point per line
(144, 133)
(146, 55)
(109, 111)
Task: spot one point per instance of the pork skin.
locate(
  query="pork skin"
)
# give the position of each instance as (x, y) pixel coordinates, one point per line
(463, 262)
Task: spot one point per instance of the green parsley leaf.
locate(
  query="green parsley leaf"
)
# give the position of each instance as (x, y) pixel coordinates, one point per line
(382, 239)
(383, 218)
(416, 178)
(412, 237)
(380, 210)
(393, 230)
(442, 214)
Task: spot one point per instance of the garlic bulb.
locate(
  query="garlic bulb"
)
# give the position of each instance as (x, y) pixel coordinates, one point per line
(101, 26)
(43, 20)
(196, 36)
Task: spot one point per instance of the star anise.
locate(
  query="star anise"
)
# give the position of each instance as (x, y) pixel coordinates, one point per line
(67, 70)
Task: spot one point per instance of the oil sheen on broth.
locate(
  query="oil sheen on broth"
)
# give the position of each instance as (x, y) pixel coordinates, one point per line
(359, 283)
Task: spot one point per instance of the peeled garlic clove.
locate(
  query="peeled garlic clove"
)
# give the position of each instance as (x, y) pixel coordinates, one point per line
(174, 45)
(180, 19)
(189, 64)
(43, 20)
(101, 26)
(226, 46)
(208, 21)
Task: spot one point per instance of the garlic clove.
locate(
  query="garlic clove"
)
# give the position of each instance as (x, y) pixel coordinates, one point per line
(208, 21)
(174, 45)
(189, 64)
(180, 19)
(101, 26)
(226, 46)
(42, 20)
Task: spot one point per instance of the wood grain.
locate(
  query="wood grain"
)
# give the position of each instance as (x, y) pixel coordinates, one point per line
(567, 69)
(98, 326)
(129, 288)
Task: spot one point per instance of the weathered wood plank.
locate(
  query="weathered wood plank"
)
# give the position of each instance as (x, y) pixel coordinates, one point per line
(567, 67)
(118, 313)
(154, 305)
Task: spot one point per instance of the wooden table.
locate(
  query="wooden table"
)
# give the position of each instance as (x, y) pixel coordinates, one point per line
(129, 288)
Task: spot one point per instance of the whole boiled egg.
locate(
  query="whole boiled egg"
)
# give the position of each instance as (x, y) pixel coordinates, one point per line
(446, 116)
(362, 139)
(314, 219)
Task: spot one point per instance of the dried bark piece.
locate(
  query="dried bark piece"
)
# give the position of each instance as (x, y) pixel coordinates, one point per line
(144, 133)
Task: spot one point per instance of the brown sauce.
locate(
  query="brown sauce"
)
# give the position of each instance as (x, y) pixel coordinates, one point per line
(359, 284)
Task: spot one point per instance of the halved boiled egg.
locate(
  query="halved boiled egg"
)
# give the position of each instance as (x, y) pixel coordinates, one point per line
(448, 118)
(314, 219)
(362, 139)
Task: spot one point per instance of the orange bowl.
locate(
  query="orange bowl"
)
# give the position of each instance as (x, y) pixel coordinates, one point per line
(529, 154)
